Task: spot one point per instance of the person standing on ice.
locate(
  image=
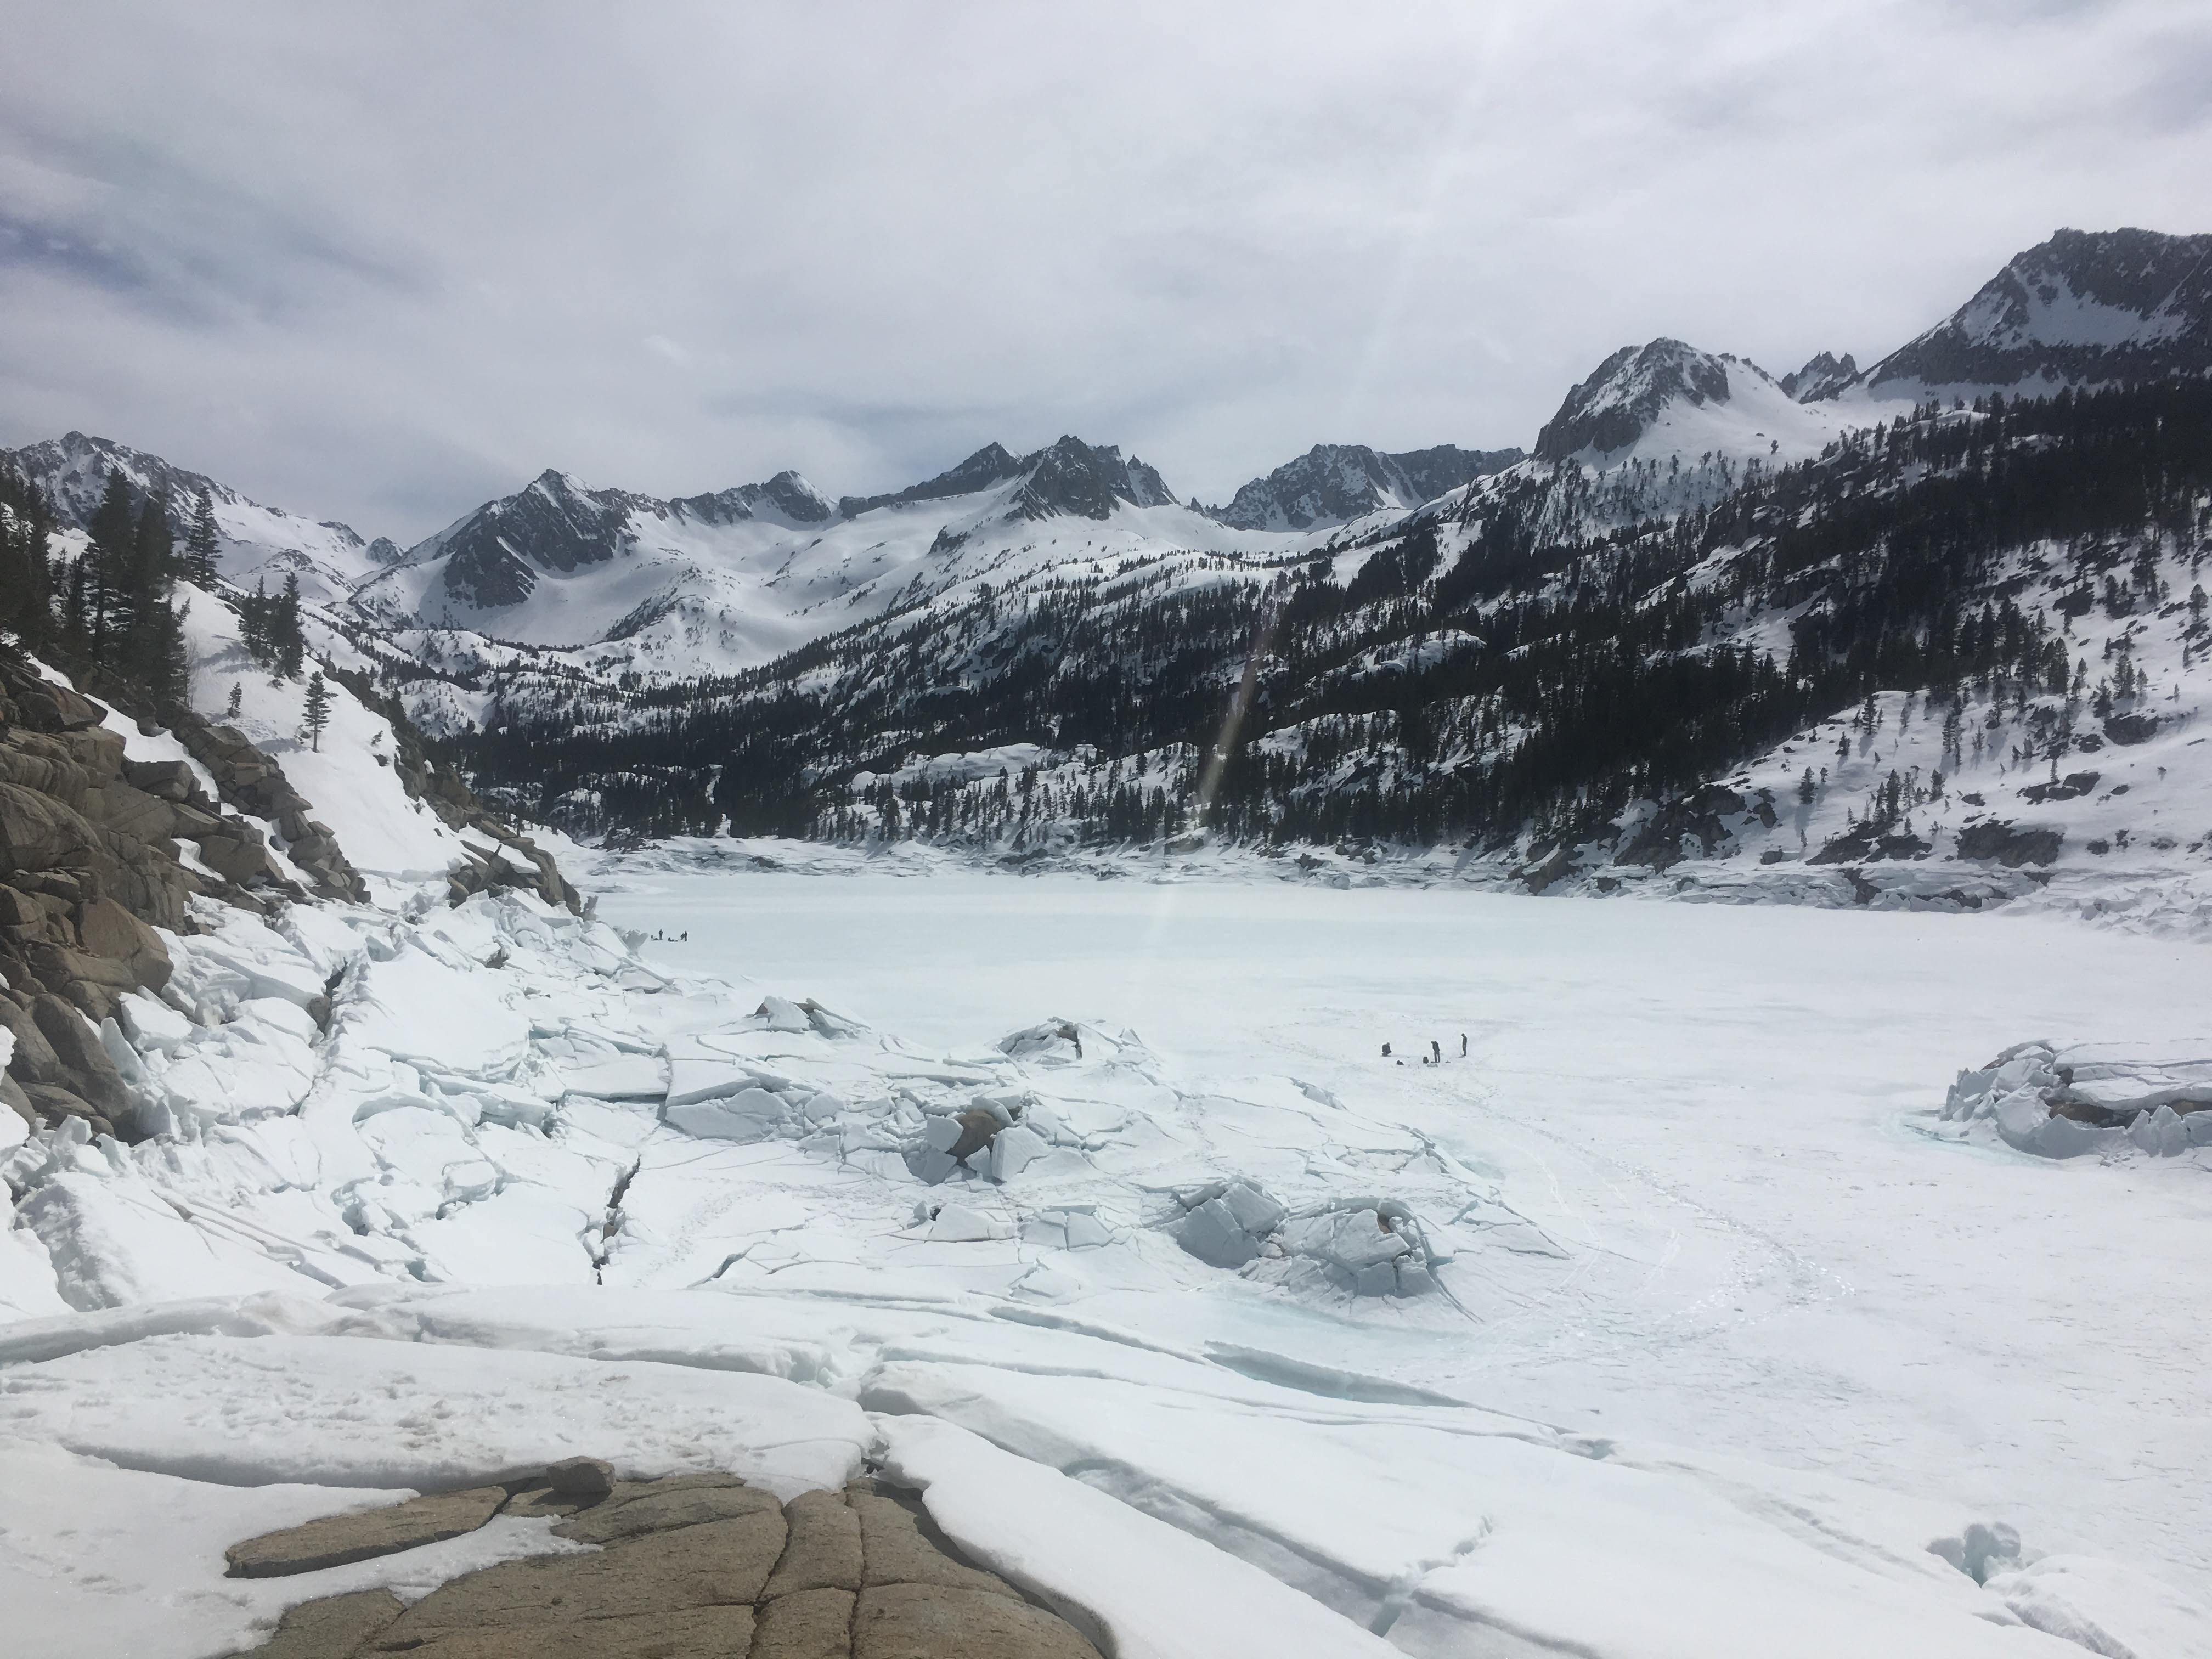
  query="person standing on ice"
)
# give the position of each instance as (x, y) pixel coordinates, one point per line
(1462, 1045)
(1386, 1051)
(1435, 1052)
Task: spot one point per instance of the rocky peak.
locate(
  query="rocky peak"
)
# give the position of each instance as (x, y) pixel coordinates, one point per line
(785, 499)
(993, 463)
(2084, 308)
(1081, 480)
(1333, 483)
(1823, 375)
(496, 556)
(1612, 408)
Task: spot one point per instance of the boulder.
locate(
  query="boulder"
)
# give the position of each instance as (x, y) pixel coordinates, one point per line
(106, 929)
(86, 1068)
(39, 832)
(13, 1097)
(581, 1477)
(34, 1060)
(236, 859)
(55, 1105)
(169, 780)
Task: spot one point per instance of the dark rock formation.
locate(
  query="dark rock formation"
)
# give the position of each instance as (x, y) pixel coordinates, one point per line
(2011, 845)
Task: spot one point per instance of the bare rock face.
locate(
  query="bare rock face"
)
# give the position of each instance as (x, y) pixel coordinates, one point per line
(91, 871)
(929, 1621)
(338, 1539)
(334, 1624)
(694, 1567)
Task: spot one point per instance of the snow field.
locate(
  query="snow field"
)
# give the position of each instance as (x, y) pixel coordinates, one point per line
(532, 1194)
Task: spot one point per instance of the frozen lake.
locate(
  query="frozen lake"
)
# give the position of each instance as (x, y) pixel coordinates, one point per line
(1738, 1238)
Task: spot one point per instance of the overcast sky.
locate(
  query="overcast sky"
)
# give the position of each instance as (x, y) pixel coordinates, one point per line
(381, 261)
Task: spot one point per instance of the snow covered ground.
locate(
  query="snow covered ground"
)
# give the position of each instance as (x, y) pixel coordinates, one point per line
(1672, 1320)
(1715, 1121)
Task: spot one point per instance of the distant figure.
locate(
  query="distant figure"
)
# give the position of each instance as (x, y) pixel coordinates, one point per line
(1386, 1051)
(1462, 1045)
(1435, 1052)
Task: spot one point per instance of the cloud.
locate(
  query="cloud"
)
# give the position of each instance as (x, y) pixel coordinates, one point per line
(380, 263)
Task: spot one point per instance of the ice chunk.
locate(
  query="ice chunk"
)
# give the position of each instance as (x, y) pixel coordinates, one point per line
(960, 1224)
(1013, 1150)
(752, 1113)
(151, 1024)
(1227, 1222)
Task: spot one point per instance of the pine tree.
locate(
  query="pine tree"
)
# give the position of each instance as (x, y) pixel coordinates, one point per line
(318, 708)
(202, 544)
(151, 643)
(230, 710)
(113, 530)
(285, 636)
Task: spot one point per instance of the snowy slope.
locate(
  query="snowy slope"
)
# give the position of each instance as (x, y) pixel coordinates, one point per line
(350, 777)
(259, 544)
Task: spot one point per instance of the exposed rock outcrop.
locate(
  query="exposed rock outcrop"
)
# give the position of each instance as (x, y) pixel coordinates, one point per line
(697, 1564)
(93, 866)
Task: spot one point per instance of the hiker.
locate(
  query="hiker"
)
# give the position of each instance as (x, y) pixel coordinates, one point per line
(1462, 1045)
(1435, 1052)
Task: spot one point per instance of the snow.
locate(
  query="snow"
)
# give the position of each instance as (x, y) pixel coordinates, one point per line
(349, 779)
(1227, 1331)
(96, 1558)
(1078, 1550)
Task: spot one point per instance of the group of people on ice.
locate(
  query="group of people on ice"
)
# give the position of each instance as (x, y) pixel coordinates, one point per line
(1435, 1054)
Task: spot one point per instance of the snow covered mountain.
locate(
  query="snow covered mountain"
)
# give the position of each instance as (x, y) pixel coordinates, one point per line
(1668, 402)
(2086, 308)
(1332, 484)
(1820, 376)
(631, 584)
(260, 544)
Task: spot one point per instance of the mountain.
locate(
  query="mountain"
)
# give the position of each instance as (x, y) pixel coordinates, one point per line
(631, 584)
(1983, 642)
(1822, 375)
(1668, 401)
(258, 544)
(1069, 476)
(2085, 308)
(1333, 483)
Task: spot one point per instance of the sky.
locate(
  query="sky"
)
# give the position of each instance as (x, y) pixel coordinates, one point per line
(382, 262)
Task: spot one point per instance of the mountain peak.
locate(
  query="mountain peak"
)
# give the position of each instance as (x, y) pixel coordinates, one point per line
(992, 463)
(1333, 483)
(1613, 408)
(1823, 375)
(1086, 481)
(2082, 308)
